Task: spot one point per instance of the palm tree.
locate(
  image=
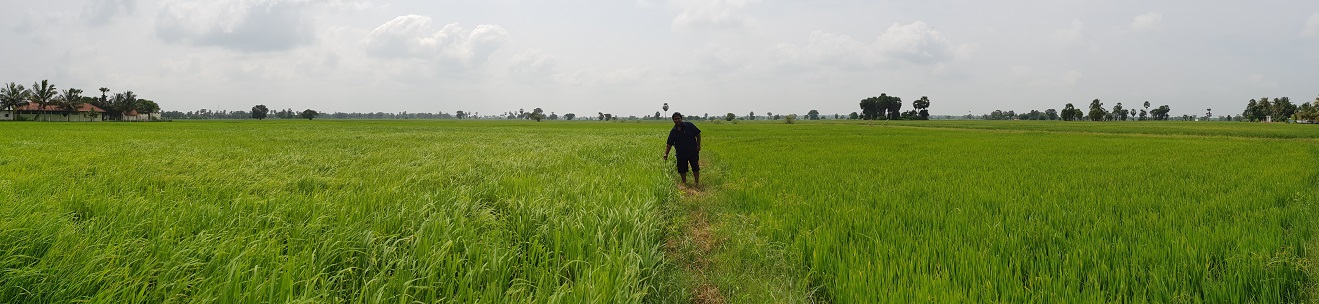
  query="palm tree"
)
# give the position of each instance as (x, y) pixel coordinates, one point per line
(104, 102)
(71, 100)
(124, 102)
(43, 93)
(666, 109)
(12, 96)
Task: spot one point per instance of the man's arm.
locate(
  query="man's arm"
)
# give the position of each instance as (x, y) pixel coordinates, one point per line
(666, 151)
(698, 142)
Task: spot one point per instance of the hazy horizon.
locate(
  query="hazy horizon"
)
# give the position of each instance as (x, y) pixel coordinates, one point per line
(629, 57)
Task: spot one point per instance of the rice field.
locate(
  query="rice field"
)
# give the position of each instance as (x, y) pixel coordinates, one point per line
(873, 213)
(350, 211)
(586, 212)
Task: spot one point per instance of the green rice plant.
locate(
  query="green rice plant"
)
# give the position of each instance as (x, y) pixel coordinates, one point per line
(331, 211)
(891, 213)
(570, 212)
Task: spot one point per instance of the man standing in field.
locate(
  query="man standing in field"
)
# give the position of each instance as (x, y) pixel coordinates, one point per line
(687, 138)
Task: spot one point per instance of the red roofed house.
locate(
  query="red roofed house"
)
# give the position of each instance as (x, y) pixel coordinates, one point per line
(32, 111)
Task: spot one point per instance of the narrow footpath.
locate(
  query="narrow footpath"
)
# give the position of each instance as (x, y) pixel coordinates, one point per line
(721, 257)
(694, 246)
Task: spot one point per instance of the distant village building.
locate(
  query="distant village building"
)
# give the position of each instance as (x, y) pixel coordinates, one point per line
(135, 116)
(34, 112)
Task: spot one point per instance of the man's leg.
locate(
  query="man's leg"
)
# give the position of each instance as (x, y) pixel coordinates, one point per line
(682, 168)
(696, 168)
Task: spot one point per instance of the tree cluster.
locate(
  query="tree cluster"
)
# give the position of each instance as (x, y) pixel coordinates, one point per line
(890, 107)
(1118, 113)
(44, 94)
(881, 107)
(1160, 113)
(1279, 109)
(1308, 112)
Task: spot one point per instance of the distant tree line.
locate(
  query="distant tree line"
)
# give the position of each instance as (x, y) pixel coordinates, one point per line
(261, 111)
(882, 107)
(1070, 112)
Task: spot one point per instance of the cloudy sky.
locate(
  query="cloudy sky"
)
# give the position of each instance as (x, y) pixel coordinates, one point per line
(701, 56)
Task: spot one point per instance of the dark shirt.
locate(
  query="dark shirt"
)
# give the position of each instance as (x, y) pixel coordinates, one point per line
(684, 139)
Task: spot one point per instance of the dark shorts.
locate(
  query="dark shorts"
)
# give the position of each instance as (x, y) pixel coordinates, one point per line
(694, 160)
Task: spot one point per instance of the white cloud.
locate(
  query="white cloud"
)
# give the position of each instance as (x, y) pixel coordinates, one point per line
(38, 25)
(213, 66)
(915, 43)
(1147, 22)
(647, 3)
(536, 65)
(242, 25)
(350, 5)
(714, 60)
(100, 12)
(594, 77)
(413, 36)
(1027, 75)
(826, 49)
(712, 14)
(1311, 26)
(918, 43)
(533, 65)
(1070, 36)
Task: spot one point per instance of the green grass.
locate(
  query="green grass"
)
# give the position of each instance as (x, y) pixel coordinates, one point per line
(571, 212)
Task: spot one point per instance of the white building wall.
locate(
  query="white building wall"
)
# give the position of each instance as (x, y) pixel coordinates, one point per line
(59, 117)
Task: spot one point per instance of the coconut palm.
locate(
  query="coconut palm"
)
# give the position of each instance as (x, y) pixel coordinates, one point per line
(43, 94)
(71, 100)
(12, 96)
(122, 103)
(104, 102)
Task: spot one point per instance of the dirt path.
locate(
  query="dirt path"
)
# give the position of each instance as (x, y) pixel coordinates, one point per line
(694, 247)
(699, 250)
(708, 244)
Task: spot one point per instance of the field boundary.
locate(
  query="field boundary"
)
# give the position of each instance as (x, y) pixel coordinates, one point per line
(1134, 134)
(1311, 263)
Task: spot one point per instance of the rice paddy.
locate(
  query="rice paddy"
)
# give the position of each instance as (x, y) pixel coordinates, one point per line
(574, 212)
